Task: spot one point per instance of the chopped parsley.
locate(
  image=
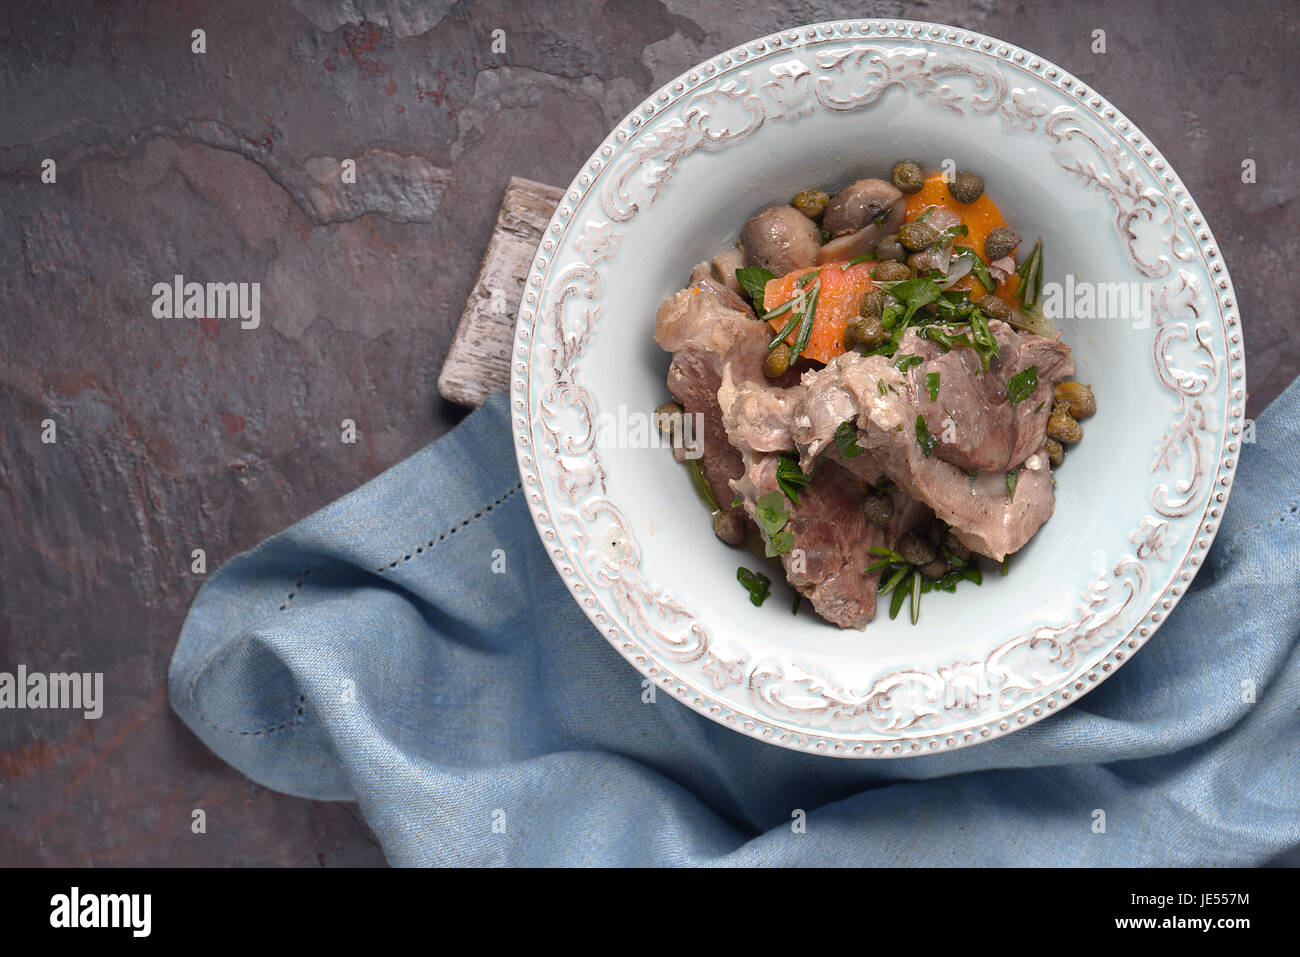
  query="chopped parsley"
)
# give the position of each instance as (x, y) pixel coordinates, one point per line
(1022, 385)
(790, 477)
(1012, 479)
(754, 279)
(846, 440)
(978, 269)
(932, 385)
(905, 361)
(772, 518)
(757, 584)
(924, 438)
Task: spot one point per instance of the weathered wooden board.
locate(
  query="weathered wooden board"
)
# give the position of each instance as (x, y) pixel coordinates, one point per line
(478, 362)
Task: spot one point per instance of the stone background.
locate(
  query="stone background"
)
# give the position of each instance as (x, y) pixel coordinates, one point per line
(181, 434)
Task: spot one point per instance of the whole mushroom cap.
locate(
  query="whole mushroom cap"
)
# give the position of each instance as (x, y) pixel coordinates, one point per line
(781, 239)
(858, 205)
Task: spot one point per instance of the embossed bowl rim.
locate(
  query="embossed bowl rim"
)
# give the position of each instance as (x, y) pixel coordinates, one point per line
(1000, 56)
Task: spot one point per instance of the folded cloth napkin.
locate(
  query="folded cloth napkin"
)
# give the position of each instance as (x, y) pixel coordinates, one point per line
(372, 653)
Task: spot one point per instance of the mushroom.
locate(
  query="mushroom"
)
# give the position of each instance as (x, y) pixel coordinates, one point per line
(725, 265)
(780, 239)
(858, 217)
(860, 204)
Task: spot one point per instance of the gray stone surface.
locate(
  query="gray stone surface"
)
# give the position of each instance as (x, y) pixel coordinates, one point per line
(180, 434)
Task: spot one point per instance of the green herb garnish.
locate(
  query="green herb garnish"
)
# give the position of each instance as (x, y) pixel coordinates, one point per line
(932, 385)
(1022, 385)
(1012, 479)
(1031, 276)
(977, 268)
(790, 477)
(905, 361)
(701, 484)
(923, 437)
(757, 584)
(772, 518)
(846, 440)
(754, 279)
(795, 609)
(901, 591)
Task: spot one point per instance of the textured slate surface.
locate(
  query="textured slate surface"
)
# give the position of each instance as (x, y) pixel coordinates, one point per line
(177, 434)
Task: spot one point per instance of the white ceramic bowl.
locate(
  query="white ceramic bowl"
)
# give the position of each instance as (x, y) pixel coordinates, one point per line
(1138, 501)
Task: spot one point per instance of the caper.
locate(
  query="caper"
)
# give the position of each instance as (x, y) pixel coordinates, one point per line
(729, 526)
(994, 308)
(878, 508)
(955, 547)
(935, 569)
(916, 550)
(890, 271)
(890, 248)
(864, 332)
(1061, 425)
(668, 417)
(916, 236)
(907, 177)
(923, 261)
(1055, 453)
(1078, 399)
(777, 361)
(872, 303)
(1000, 242)
(966, 187)
(811, 202)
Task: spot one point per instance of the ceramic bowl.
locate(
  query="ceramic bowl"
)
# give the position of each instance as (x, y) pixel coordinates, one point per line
(1138, 500)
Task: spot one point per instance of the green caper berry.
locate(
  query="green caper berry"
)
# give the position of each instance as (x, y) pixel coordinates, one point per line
(889, 248)
(729, 527)
(668, 417)
(916, 550)
(966, 187)
(1055, 453)
(917, 236)
(811, 202)
(907, 177)
(864, 332)
(890, 271)
(1000, 242)
(872, 304)
(878, 508)
(935, 569)
(777, 362)
(994, 308)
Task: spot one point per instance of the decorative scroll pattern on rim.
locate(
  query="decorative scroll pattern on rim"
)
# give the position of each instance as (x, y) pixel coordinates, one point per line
(720, 104)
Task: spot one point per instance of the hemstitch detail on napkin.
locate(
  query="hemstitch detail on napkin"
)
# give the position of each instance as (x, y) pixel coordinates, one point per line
(485, 510)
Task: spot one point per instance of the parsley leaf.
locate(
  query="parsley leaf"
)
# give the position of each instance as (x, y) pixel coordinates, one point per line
(790, 477)
(846, 440)
(1022, 385)
(924, 438)
(977, 268)
(932, 385)
(772, 517)
(1012, 479)
(905, 361)
(757, 584)
(753, 279)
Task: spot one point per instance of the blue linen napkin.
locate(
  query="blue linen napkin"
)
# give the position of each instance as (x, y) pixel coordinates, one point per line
(370, 652)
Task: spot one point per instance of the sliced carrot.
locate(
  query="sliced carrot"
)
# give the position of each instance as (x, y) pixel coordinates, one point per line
(837, 302)
(981, 218)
